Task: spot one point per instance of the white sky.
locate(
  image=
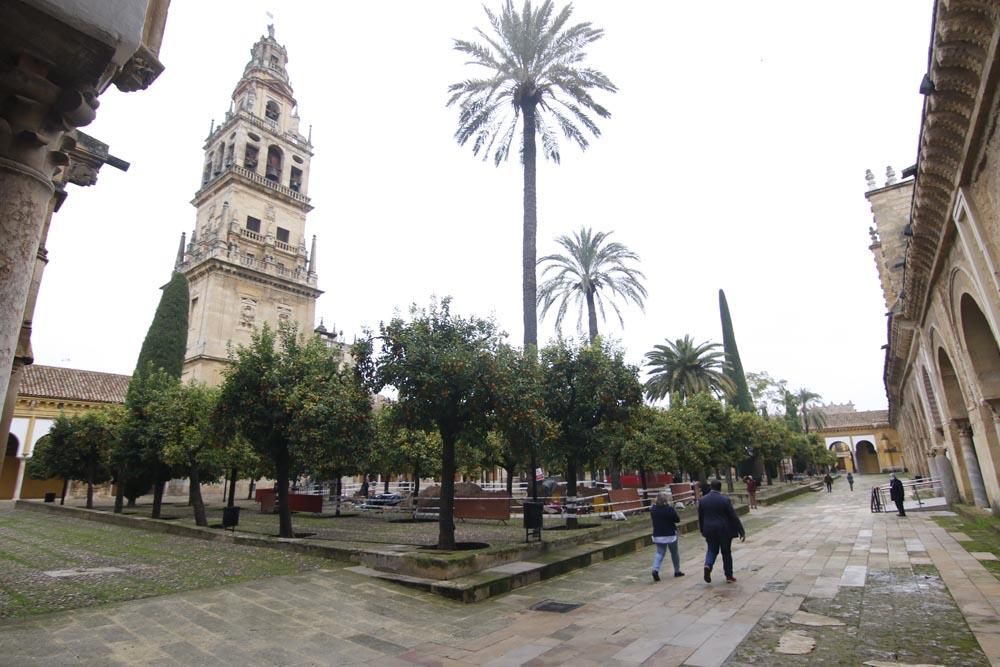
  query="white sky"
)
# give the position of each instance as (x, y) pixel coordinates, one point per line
(734, 159)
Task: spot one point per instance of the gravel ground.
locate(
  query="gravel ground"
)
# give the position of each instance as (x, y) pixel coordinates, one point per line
(143, 563)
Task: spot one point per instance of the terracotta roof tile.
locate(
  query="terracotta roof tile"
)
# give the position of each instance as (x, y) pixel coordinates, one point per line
(74, 385)
(840, 420)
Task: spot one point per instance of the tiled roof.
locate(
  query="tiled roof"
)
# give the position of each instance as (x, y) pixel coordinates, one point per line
(840, 420)
(73, 385)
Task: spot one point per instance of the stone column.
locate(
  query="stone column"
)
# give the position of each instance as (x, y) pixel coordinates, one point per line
(972, 463)
(32, 123)
(942, 469)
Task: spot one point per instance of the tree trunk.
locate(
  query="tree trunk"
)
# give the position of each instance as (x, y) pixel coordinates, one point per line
(194, 493)
(253, 483)
(282, 465)
(446, 517)
(120, 490)
(158, 487)
(616, 473)
(336, 487)
(509, 469)
(645, 487)
(232, 488)
(570, 499)
(729, 479)
(65, 489)
(528, 257)
(131, 502)
(591, 316)
(385, 488)
(90, 487)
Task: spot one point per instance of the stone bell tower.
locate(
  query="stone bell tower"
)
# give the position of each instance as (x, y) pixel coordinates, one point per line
(246, 262)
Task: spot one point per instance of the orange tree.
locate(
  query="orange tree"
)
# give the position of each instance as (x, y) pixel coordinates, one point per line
(445, 372)
(584, 387)
(296, 403)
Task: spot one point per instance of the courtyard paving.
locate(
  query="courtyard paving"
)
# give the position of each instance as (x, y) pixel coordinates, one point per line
(819, 572)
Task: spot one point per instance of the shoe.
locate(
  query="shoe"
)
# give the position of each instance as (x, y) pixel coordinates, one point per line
(708, 575)
(730, 580)
(656, 575)
(678, 574)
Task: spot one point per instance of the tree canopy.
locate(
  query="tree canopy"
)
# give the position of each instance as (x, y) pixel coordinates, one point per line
(686, 368)
(591, 268)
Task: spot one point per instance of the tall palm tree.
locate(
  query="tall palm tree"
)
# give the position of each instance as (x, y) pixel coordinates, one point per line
(591, 264)
(808, 413)
(685, 368)
(534, 74)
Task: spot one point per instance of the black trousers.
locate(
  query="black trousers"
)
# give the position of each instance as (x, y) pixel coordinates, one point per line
(899, 506)
(716, 545)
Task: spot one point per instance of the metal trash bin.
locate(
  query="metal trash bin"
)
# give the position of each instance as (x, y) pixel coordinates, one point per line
(532, 519)
(230, 517)
(50, 497)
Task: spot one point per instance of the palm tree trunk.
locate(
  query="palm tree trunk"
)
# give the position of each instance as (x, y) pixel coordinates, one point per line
(528, 258)
(591, 316)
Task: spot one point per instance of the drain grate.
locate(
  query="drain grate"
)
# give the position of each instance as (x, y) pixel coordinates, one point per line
(558, 607)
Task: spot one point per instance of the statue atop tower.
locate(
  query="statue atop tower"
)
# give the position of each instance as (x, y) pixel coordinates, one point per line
(246, 262)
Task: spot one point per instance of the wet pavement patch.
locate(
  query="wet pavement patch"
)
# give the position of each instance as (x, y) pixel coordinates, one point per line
(558, 607)
(904, 616)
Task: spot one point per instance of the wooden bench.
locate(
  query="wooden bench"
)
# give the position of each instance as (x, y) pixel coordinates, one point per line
(497, 509)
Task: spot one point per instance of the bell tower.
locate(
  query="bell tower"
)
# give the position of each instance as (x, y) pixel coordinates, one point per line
(246, 262)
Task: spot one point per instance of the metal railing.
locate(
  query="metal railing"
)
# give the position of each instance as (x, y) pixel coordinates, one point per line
(912, 488)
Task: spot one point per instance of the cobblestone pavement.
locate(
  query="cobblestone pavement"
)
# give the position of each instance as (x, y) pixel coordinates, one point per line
(903, 590)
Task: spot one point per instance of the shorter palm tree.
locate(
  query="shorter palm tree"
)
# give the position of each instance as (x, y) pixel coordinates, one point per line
(810, 415)
(684, 368)
(591, 264)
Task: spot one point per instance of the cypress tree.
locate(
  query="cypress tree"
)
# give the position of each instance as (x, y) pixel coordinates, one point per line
(162, 352)
(166, 340)
(734, 367)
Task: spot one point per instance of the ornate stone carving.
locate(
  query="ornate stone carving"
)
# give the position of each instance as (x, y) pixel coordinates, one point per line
(248, 312)
(870, 179)
(284, 313)
(139, 72)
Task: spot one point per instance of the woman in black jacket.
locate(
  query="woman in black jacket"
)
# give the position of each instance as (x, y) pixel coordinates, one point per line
(665, 521)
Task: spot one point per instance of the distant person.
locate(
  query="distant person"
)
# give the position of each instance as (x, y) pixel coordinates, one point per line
(751, 491)
(850, 481)
(896, 493)
(829, 482)
(665, 520)
(363, 492)
(719, 524)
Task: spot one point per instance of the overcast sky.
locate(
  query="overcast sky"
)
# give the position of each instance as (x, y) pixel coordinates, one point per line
(734, 159)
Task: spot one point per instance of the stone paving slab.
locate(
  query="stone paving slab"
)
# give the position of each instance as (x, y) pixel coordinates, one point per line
(342, 616)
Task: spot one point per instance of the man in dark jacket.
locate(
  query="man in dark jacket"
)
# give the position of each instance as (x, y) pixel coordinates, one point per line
(719, 524)
(896, 493)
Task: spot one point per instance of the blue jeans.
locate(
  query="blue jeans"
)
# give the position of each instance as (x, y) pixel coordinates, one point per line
(661, 550)
(716, 545)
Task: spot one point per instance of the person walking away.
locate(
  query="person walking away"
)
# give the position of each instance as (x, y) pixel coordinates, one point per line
(829, 483)
(850, 481)
(751, 491)
(665, 520)
(719, 524)
(896, 493)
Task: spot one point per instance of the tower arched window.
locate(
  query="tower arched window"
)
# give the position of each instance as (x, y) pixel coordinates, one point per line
(272, 110)
(250, 157)
(274, 156)
(207, 174)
